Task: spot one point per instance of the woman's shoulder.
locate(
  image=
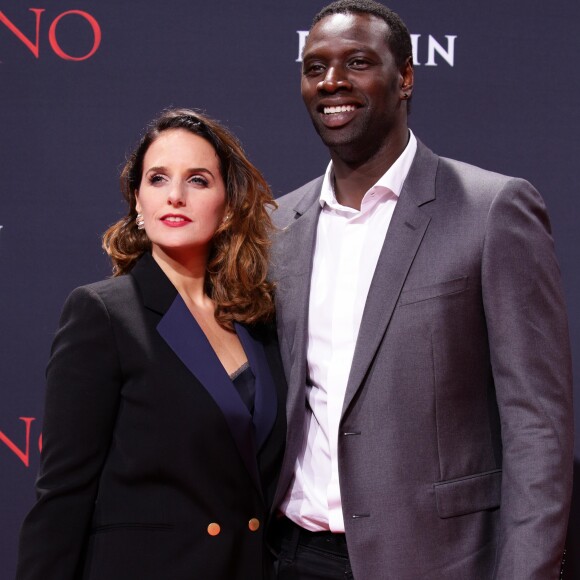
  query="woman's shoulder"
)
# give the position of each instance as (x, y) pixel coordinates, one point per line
(120, 290)
(123, 283)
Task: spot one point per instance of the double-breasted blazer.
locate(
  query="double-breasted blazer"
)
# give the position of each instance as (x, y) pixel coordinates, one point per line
(152, 466)
(455, 441)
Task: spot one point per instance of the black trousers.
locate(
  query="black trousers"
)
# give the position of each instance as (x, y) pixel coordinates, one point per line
(304, 555)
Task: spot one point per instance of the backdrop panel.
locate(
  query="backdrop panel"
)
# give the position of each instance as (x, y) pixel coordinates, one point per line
(497, 85)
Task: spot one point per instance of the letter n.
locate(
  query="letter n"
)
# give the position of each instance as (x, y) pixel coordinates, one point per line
(435, 47)
(24, 456)
(33, 47)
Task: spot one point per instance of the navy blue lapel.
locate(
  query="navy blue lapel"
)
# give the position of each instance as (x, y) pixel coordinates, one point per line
(182, 333)
(265, 405)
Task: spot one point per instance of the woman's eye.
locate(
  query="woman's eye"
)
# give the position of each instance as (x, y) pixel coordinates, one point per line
(156, 178)
(198, 180)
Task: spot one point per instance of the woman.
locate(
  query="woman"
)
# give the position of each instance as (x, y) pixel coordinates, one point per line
(164, 420)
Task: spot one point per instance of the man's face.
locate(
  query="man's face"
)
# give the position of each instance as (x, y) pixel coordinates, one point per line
(351, 85)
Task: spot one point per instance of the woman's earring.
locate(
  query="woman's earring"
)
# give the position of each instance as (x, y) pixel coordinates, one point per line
(140, 221)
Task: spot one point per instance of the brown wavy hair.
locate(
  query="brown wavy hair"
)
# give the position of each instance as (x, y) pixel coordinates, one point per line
(238, 262)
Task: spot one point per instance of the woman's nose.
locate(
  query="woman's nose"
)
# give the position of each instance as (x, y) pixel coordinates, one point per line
(176, 195)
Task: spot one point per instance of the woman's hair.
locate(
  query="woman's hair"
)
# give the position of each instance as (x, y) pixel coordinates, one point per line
(238, 260)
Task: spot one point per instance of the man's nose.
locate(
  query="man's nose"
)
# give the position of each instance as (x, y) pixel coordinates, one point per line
(334, 80)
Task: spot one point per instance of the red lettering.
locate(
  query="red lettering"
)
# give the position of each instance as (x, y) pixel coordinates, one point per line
(24, 456)
(96, 35)
(33, 47)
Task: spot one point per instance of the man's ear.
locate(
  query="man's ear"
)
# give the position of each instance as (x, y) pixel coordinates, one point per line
(407, 78)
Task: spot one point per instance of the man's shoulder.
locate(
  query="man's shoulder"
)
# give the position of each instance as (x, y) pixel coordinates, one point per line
(482, 185)
(471, 172)
(297, 201)
(459, 182)
(473, 177)
(454, 169)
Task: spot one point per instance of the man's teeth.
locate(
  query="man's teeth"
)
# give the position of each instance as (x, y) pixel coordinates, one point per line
(341, 109)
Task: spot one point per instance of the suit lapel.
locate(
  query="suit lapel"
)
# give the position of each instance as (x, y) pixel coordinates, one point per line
(265, 405)
(404, 236)
(184, 336)
(182, 333)
(293, 255)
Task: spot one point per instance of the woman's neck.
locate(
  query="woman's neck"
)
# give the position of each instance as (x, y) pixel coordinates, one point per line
(187, 272)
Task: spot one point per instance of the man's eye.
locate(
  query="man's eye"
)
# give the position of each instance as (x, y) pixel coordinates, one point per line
(313, 69)
(359, 63)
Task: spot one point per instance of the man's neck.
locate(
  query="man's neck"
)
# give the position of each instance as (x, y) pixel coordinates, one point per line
(354, 177)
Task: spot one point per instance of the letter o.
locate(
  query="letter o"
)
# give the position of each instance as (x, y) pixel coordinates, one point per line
(96, 33)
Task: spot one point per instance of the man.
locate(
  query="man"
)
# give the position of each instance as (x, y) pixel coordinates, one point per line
(424, 337)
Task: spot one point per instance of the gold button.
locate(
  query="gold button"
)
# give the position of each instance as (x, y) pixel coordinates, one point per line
(254, 524)
(213, 529)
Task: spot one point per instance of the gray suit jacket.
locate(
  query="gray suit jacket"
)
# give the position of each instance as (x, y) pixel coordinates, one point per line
(455, 444)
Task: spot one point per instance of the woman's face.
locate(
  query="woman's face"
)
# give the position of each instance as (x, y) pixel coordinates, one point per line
(182, 195)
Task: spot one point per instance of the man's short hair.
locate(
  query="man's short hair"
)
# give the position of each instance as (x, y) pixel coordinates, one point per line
(398, 39)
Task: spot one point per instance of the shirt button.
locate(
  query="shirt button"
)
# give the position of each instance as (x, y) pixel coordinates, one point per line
(213, 529)
(254, 524)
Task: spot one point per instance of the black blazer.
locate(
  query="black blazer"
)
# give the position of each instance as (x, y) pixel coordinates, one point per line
(152, 466)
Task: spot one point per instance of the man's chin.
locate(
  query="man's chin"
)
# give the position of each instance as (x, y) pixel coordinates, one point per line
(336, 137)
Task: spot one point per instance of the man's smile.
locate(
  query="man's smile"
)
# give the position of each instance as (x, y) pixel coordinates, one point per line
(339, 109)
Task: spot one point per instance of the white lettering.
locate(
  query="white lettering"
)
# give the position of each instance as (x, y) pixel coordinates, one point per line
(434, 47)
(302, 35)
(415, 45)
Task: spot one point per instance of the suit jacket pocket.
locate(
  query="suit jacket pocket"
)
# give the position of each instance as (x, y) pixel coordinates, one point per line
(433, 291)
(466, 495)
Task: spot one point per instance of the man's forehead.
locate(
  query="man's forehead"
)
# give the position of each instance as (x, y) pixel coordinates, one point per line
(366, 29)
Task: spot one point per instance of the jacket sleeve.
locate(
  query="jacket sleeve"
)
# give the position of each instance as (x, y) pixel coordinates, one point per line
(531, 364)
(83, 385)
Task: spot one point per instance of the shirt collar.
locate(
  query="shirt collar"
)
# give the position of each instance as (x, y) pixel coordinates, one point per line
(391, 183)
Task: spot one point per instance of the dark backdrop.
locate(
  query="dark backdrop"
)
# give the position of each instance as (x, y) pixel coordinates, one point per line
(79, 79)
